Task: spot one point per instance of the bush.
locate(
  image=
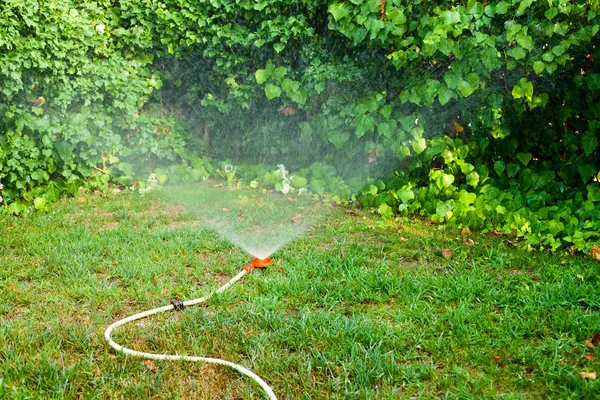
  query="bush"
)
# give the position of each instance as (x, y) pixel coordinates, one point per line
(478, 114)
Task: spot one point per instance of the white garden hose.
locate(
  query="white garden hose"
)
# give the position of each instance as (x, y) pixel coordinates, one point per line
(179, 306)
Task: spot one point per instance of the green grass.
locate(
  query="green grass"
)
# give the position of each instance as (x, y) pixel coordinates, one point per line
(347, 311)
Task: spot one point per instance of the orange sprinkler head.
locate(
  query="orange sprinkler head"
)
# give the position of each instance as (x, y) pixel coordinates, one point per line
(264, 263)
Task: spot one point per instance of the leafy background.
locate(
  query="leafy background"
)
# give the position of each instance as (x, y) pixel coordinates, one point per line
(477, 114)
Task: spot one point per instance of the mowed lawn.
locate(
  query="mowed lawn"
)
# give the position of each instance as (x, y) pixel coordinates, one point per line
(358, 308)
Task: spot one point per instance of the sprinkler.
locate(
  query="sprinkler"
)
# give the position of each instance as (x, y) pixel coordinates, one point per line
(180, 306)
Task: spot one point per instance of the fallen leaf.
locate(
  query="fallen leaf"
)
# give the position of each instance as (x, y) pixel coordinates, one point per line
(447, 253)
(403, 239)
(372, 156)
(588, 343)
(497, 358)
(296, 218)
(81, 199)
(419, 347)
(459, 127)
(465, 232)
(149, 364)
(588, 375)
(509, 243)
(596, 338)
(590, 356)
(595, 252)
(288, 110)
(116, 190)
(579, 277)
(468, 242)
(225, 209)
(39, 101)
(572, 250)
(399, 228)
(350, 211)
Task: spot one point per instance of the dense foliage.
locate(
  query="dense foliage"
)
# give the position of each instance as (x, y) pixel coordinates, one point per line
(479, 114)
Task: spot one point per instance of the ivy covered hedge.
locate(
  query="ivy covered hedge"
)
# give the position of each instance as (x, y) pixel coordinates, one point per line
(478, 114)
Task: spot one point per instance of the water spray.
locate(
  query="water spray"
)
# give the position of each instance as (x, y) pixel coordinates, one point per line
(180, 306)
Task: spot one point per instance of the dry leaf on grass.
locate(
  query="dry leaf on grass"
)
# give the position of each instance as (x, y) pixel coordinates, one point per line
(465, 232)
(596, 338)
(296, 218)
(81, 199)
(595, 252)
(468, 242)
(590, 356)
(447, 253)
(497, 358)
(403, 239)
(588, 375)
(588, 343)
(399, 228)
(509, 243)
(149, 364)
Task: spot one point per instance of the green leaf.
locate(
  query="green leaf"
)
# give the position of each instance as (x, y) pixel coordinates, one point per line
(386, 211)
(338, 137)
(551, 13)
(397, 17)
(387, 129)
(450, 17)
(523, 5)
(551, 67)
(524, 158)
(555, 227)
(261, 76)
(299, 181)
(444, 95)
(447, 180)
(364, 124)
(525, 41)
(518, 53)
(523, 89)
(317, 185)
(589, 142)
(405, 195)
(272, 91)
(279, 73)
(338, 10)
(466, 198)
(539, 66)
(473, 179)
(289, 86)
(491, 58)
(419, 145)
(593, 192)
(502, 7)
(586, 171)
(465, 88)
(39, 203)
(512, 169)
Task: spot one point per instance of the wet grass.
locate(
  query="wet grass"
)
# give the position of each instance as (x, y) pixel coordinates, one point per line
(350, 310)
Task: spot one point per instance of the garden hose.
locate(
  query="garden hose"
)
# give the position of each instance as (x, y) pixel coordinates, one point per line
(178, 306)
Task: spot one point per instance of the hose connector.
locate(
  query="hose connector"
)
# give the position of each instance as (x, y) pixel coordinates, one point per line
(257, 263)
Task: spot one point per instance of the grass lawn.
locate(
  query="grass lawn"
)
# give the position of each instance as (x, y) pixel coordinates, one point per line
(347, 311)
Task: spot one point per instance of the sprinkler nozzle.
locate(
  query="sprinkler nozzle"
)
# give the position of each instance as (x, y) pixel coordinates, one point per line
(257, 263)
(264, 263)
